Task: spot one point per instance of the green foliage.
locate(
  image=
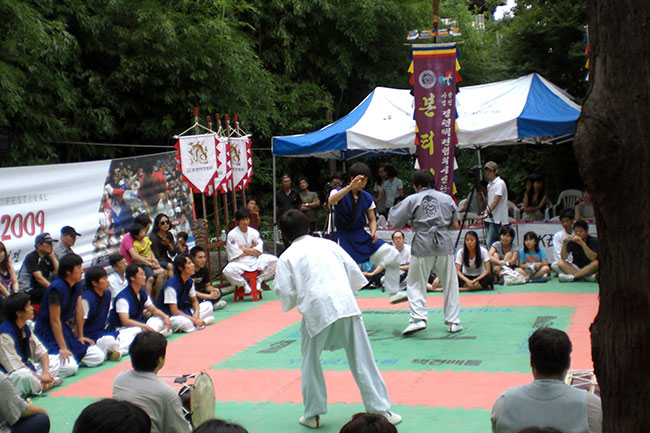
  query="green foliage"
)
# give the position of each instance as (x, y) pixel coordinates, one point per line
(546, 37)
(131, 72)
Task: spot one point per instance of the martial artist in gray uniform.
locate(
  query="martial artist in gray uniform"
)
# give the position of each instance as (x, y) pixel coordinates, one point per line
(319, 278)
(432, 214)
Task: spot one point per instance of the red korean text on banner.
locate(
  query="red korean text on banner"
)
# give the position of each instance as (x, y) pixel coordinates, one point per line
(434, 83)
(197, 160)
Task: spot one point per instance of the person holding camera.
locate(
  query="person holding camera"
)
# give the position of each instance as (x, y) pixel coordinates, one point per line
(496, 211)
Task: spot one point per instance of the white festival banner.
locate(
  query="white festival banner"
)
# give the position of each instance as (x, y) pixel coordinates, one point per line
(44, 198)
(198, 156)
(98, 199)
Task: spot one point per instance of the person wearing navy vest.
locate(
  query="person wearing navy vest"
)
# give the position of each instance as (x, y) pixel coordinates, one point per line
(130, 307)
(19, 347)
(354, 208)
(61, 304)
(178, 299)
(548, 401)
(96, 301)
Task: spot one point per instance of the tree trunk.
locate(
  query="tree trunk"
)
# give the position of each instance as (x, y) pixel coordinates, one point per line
(612, 147)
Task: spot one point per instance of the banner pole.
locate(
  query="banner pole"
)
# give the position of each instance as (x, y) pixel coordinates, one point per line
(275, 207)
(238, 132)
(232, 182)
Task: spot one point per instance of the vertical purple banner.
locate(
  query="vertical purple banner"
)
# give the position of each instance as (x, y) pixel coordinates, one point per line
(434, 83)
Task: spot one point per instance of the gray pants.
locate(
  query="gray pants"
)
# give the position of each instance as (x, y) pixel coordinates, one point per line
(416, 286)
(350, 334)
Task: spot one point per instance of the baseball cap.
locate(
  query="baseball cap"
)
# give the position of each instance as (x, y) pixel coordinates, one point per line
(44, 237)
(67, 230)
(490, 165)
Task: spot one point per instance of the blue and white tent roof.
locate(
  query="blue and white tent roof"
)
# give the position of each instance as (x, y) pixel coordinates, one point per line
(505, 112)
(382, 123)
(508, 112)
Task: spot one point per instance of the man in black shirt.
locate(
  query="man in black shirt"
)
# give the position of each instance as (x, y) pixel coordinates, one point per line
(38, 269)
(286, 197)
(202, 281)
(584, 249)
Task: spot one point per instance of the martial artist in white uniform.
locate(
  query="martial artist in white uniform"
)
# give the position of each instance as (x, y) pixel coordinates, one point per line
(432, 214)
(320, 278)
(245, 251)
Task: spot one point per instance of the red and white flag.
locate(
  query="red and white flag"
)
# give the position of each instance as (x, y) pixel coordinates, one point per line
(198, 160)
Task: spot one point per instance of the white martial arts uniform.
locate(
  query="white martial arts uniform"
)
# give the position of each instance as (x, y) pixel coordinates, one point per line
(128, 333)
(22, 377)
(431, 213)
(117, 283)
(320, 279)
(265, 263)
(181, 323)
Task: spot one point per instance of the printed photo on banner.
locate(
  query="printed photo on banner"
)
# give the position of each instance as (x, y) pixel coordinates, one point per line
(148, 185)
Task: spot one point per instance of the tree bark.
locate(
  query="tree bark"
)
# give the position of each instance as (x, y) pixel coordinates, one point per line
(612, 146)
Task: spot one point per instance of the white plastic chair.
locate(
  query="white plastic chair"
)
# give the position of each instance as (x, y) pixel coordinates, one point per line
(513, 212)
(566, 200)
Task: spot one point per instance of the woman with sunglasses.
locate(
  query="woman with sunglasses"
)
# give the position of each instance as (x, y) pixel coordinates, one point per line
(162, 241)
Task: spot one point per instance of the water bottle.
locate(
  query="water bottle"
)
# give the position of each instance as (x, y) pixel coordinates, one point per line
(223, 235)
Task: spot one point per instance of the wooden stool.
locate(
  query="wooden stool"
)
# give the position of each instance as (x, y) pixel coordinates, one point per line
(252, 281)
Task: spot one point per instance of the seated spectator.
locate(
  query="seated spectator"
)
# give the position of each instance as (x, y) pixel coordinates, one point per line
(391, 188)
(67, 241)
(473, 265)
(109, 416)
(17, 415)
(162, 242)
(38, 269)
(178, 299)
(535, 201)
(219, 426)
(60, 305)
(404, 261)
(205, 291)
(368, 423)
(246, 254)
(309, 203)
(254, 209)
(134, 311)
(142, 248)
(566, 219)
(142, 387)
(20, 350)
(504, 253)
(96, 302)
(584, 250)
(533, 263)
(181, 243)
(8, 277)
(117, 280)
(547, 401)
(376, 191)
(126, 246)
(585, 208)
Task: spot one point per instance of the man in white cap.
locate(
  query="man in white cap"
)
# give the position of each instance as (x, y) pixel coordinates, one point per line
(496, 213)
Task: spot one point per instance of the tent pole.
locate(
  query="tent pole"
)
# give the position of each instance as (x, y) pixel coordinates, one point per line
(275, 222)
(478, 154)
